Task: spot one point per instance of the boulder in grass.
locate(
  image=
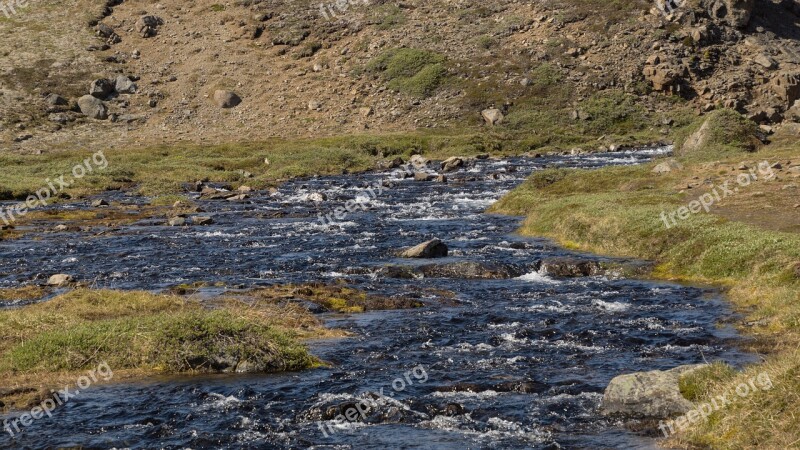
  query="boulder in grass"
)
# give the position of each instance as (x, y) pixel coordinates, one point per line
(93, 107)
(492, 116)
(60, 279)
(434, 248)
(667, 167)
(648, 395)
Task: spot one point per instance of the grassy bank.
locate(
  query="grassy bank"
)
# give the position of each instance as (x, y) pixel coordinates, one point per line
(618, 211)
(542, 121)
(140, 333)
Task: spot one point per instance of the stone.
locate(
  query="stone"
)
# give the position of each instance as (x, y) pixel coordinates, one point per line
(60, 279)
(93, 107)
(237, 198)
(147, 26)
(434, 248)
(124, 85)
(366, 111)
(472, 270)
(441, 179)
(735, 13)
(569, 267)
(419, 161)
(226, 99)
(314, 105)
(422, 176)
(56, 100)
(99, 203)
(786, 85)
(492, 116)
(667, 167)
(452, 164)
(101, 88)
(647, 395)
(317, 197)
(202, 220)
(765, 61)
(176, 222)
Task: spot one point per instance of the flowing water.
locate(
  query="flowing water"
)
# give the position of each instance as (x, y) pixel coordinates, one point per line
(515, 363)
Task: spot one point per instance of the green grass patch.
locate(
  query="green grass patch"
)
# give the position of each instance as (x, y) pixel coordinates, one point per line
(411, 71)
(138, 330)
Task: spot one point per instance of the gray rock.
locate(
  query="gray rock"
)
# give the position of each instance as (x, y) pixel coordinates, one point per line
(452, 164)
(99, 203)
(419, 161)
(647, 395)
(202, 220)
(667, 167)
(60, 279)
(101, 88)
(124, 85)
(422, 176)
(765, 61)
(735, 13)
(568, 267)
(472, 270)
(226, 99)
(56, 100)
(147, 26)
(492, 116)
(93, 107)
(176, 222)
(317, 197)
(434, 248)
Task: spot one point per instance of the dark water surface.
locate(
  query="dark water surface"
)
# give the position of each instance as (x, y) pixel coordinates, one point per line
(561, 340)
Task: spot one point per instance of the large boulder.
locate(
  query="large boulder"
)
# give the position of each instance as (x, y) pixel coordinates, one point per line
(472, 270)
(452, 164)
(434, 248)
(60, 279)
(147, 26)
(93, 107)
(735, 13)
(786, 85)
(101, 88)
(662, 73)
(124, 85)
(226, 99)
(570, 267)
(492, 116)
(647, 395)
(698, 139)
(419, 161)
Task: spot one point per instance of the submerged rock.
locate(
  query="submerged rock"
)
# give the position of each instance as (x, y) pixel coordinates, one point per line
(570, 267)
(467, 270)
(647, 395)
(434, 248)
(472, 270)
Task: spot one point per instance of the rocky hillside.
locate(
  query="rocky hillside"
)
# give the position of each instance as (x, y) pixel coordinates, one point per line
(131, 72)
